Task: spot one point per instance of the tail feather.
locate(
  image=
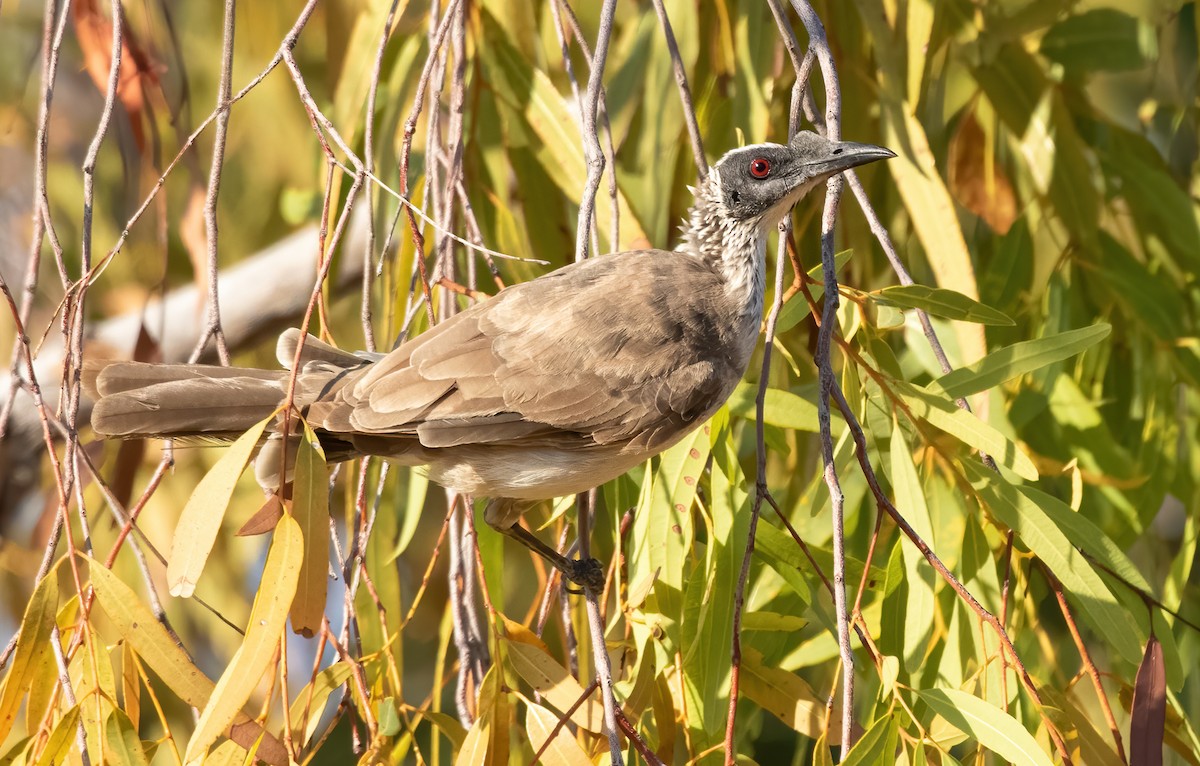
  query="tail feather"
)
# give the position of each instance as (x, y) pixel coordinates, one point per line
(198, 401)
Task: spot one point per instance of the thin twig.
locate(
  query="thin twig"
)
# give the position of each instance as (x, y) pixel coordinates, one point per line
(593, 154)
(1086, 658)
(212, 329)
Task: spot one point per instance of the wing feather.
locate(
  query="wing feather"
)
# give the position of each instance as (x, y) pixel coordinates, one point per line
(609, 350)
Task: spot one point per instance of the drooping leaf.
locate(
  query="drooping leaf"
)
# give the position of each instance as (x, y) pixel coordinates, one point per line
(877, 746)
(780, 408)
(32, 644)
(134, 623)
(989, 725)
(1080, 582)
(564, 750)
(1100, 40)
(263, 633)
(308, 705)
(310, 507)
(549, 678)
(1148, 717)
(940, 302)
(122, 747)
(1018, 359)
(201, 517)
(785, 695)
(968, 428)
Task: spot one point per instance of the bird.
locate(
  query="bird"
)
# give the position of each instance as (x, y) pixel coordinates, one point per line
(547, 389)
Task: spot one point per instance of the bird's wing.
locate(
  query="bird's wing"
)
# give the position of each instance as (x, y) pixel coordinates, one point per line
(622, 348)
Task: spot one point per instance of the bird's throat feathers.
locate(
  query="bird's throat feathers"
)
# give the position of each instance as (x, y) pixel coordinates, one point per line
(736, 248)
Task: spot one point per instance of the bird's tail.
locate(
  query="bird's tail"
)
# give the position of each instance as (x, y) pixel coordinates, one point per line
(138, 400)
(206, 402)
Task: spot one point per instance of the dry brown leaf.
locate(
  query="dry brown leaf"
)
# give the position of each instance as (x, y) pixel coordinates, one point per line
(93, 28)
(977, 182)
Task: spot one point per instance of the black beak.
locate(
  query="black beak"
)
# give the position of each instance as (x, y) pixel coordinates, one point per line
(827, 158)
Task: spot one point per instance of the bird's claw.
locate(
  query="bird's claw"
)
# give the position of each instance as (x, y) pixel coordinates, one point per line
(586, 573)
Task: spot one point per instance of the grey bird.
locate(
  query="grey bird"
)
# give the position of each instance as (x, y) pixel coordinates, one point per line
(550, 388)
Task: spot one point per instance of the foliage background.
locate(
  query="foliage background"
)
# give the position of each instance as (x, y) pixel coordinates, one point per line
(1047, 157)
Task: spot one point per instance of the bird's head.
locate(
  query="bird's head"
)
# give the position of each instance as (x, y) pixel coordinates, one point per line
(760, 183)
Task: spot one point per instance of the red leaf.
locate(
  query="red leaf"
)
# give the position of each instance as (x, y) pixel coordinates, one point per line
(1149, 714)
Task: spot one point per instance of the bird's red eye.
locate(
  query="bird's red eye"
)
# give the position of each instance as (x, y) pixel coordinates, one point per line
(760, 167)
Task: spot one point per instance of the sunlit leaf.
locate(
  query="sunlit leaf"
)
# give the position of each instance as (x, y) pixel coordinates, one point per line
(555, 684)
(310, 507)
(263, 633)
(943, 303)
(1081, 584)
(877, 746)
(968, 428)
(32, 643)
(201, 518)
(564, 750)
(1018, 359)
(121, 743)
(134, 623)
(989, 725)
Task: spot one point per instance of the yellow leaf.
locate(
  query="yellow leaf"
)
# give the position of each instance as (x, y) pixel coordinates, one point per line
(785, 695)
(32, 644)
(310, 507)
(532, 94)
(263, 632)
(310, 702)
(563, 749)
(555, 684)
(934, 218)
(121, 742)
(201, 518)
(134, 623)
(61, 739)
(474, 748)
(515, 631)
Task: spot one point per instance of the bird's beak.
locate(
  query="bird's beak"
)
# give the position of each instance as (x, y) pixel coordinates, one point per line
(844, 155)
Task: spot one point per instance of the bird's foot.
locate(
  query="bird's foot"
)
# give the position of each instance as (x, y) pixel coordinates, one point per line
(588, 574)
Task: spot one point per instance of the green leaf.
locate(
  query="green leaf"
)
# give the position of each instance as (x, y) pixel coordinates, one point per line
(707, 628)
(201, 517)
(1013, 81)
(780, 408)
(910, 500)
(940, 302)
(663, 523)
(967, 427)
(121, 743)
(877, 746)
(796, 310)
(1103, 39)
(1011, 362)
(1080, 582)
(310, 507)
(58, 747)
(989, 725)
(532, 96)
(1089, 538)
(309, 704)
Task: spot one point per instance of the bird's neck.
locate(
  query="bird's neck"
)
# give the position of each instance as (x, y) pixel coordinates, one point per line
(734, 248)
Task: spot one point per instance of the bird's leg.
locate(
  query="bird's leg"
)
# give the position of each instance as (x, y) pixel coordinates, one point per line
(504, 514)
